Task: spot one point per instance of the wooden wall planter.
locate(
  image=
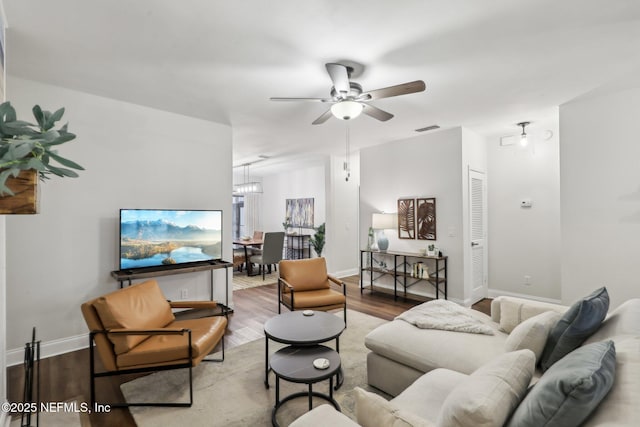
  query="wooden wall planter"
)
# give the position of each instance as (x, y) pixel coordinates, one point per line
(26, 199)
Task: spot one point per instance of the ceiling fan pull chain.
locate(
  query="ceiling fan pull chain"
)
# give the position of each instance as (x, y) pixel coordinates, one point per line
(347, 167)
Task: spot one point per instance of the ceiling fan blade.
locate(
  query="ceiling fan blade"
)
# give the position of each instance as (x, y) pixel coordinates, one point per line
(301, 99)
(323, 118)
(376, 113)
(401, 89)
(339, 77)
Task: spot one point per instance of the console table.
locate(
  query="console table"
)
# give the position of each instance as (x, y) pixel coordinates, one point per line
(149, 272)
(402, 270)
(298, 246)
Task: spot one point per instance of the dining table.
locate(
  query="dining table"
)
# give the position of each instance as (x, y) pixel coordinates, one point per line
(246, 243)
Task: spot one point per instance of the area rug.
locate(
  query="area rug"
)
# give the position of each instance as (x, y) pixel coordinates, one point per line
(232, 393)
(242, 281)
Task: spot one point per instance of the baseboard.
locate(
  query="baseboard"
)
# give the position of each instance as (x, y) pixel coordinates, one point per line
(346, 273)
(493, 293)
(50, 348)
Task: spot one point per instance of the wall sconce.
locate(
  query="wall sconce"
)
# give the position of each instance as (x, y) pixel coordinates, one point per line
(523, 136)
(383, 221)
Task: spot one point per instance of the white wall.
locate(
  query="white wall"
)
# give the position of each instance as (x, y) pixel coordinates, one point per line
(335, 204)
(428, 165)
(135, 157)
(525, 241)
(600, 189)
(292, 184)
(342, 216)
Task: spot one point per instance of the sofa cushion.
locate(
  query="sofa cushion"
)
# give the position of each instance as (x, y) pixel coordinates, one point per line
(532, 333)
(432, 348)
(323, 415)
(425, 396)
(624, 320)
(140, 306)
(490, 394)
(581, 320)
(570, 390)
(375, 411)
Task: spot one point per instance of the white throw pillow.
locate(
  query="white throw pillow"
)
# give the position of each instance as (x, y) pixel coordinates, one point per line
(532, 333)
(490, 394)
(514, 311)
(509, 314)
(375, 411)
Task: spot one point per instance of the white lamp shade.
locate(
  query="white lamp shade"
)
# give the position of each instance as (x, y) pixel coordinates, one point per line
(346, 110)
(383, 221)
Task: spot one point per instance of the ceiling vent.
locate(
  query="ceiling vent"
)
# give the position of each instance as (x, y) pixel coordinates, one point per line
(432, 127)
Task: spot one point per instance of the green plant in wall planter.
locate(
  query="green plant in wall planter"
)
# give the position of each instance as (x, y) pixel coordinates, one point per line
(317, 241)
(31, 147)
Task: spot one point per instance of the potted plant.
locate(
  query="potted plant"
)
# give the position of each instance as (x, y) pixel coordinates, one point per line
(286, 224)
(27, 152)
(317, 241)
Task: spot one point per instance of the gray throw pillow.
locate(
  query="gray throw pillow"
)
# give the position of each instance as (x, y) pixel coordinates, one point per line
(576, 325)
(570, 390)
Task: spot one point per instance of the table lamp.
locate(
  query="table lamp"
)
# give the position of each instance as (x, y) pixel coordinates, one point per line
(383, 221)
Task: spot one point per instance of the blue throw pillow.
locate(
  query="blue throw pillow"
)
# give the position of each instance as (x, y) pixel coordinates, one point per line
(576, 325)
(570, 390)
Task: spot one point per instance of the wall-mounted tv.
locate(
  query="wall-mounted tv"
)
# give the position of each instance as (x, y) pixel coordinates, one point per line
(168, 238)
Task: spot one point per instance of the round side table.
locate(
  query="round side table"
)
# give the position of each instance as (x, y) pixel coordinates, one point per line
(294, 328)
(295, 364)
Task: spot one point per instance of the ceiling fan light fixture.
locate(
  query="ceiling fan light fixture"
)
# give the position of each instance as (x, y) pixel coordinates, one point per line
(346, 110)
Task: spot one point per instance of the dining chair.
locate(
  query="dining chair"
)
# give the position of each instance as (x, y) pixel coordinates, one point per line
(271, 254)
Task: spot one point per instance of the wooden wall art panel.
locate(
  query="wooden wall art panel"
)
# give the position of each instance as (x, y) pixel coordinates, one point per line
(426, 216)
(406, 219)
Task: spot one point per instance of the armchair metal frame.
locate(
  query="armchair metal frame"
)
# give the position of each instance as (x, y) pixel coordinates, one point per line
(283, 283)
(148, 332)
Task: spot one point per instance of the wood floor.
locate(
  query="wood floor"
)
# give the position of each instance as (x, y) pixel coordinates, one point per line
(66, 377)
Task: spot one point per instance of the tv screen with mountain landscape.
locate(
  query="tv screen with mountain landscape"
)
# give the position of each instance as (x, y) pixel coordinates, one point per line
(162, 237)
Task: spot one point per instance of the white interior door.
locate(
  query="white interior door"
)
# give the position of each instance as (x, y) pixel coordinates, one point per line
(478, 218)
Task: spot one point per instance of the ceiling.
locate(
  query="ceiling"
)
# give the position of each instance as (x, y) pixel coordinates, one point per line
(487, 64)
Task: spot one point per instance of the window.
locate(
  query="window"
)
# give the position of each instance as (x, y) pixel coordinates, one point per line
(238, 220)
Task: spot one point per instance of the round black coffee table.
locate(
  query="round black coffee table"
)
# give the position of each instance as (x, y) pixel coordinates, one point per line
(295, 364)
(294, 328)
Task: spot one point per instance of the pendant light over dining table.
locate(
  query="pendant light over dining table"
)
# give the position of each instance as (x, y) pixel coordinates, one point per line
(247, 186)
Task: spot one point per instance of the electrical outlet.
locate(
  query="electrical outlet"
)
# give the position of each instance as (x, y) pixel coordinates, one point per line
(527, 280)
(184, 293)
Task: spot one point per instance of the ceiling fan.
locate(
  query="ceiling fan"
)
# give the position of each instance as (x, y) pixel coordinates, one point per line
(348, 100)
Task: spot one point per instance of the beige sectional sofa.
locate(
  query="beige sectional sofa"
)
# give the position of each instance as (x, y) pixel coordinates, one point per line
(422, 367)
(392, 365)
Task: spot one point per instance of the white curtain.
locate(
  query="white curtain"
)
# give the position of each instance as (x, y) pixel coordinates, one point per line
(252, 217)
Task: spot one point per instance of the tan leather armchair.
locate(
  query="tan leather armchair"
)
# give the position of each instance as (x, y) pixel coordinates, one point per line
(305, 285)
(134, 330)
